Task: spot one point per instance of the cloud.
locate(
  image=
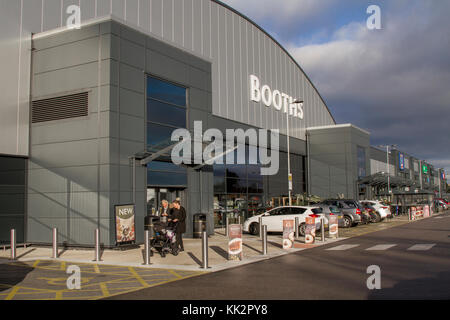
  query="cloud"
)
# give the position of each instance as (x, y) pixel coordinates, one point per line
(393, 82)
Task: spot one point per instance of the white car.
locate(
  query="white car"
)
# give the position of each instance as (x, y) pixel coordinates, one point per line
(273, 219)
(381, 209)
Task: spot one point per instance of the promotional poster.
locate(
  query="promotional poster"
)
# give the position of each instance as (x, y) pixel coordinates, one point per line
(288, 234)
(310, 230)
(235, 242)
(125, 224)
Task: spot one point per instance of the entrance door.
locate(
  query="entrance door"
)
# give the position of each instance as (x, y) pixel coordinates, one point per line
(156, 195)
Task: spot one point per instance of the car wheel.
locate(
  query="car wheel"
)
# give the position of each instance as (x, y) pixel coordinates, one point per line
(302, 229)
(347, 222)
(253, 229)
(378, 218)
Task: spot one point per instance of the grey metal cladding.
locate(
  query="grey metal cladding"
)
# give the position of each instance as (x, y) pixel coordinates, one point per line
(207, 28)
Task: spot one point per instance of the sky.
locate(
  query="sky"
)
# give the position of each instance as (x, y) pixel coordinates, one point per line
(393, 82)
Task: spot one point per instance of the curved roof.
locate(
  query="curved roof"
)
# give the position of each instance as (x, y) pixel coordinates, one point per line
(281, 47)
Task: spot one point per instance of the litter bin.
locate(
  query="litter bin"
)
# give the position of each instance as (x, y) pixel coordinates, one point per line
(199, 225)
(148, 223)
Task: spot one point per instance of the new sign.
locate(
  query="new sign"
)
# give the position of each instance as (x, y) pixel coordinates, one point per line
(278, 100)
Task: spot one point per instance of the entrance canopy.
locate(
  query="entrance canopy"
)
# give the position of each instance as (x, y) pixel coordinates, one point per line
(380, 179)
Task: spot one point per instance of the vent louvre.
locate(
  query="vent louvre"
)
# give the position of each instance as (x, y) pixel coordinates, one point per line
(65, 107)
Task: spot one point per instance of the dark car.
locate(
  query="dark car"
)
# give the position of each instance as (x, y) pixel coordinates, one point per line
(351, 209)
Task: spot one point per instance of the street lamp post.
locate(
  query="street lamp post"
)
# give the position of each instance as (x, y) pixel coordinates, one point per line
(290, 182)
(387, 167)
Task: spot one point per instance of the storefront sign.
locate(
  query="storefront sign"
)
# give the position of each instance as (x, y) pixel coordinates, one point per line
(401, 161)
(280, 101)
(288, 234)
(235, 242)
(125, 223)
(333, 226)
(310, 230)
(425, 169)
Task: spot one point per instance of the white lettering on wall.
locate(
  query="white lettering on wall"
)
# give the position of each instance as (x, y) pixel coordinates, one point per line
(280, 101)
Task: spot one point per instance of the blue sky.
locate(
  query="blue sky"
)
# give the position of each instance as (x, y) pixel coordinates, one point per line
(393, 82)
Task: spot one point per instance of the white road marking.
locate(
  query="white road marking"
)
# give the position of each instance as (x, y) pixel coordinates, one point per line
(344, 247)
(422, 247)
(439, 217)
(381, 247)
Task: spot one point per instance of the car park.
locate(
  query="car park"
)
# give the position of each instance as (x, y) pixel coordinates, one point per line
(383, 211)
(273, 219)
(351, 209)
(327, 211)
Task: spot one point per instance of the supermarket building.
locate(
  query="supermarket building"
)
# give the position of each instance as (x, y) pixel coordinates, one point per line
(87, 115)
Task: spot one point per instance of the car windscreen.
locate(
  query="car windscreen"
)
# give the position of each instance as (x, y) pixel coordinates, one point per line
(298, 210)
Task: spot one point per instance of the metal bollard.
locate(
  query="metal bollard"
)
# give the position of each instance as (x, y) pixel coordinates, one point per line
(264, 241)
(204, 250)
(297, 225)
(239, 219)
(226, 225)
(13, 244)
(147, 248)
(55, 243)
(322, 228)
(260, 227)
(97, 245)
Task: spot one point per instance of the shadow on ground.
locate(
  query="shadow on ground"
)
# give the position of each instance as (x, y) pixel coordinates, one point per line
(436, 288)
(12, 273)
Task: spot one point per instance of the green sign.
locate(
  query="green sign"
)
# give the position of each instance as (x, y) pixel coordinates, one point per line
(425, 169)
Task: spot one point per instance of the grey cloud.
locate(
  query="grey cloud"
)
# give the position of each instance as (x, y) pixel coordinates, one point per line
(394, 82)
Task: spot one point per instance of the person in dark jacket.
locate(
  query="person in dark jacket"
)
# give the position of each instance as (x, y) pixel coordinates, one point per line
(179, 217)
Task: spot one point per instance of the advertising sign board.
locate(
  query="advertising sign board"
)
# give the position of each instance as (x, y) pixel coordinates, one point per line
(401, 161)
(333, 226)
(235, 242)
(310, 230)
(288, 234)
(125, 223)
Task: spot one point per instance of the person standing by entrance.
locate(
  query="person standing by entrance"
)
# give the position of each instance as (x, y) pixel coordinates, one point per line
(179, 216)
(164, 210)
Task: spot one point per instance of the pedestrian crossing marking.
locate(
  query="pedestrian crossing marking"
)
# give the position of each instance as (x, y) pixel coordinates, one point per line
(422, 247)
(381, 247)
(343, 247)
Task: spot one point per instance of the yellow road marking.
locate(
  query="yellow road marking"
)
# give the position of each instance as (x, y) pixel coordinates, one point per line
(175, 274)
(104, 289)
(58, 295)
(138, 277)
(12, 293)
(35, 264)
(96, 268)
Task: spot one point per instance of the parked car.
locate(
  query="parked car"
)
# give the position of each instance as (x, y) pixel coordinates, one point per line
(442, 204)
(327, 211)
(370, 214)
(383, 211)
(443, 200)
(274, 219)
(350, 208)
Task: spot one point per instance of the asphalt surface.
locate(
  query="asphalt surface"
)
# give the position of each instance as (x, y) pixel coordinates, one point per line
(320, 273)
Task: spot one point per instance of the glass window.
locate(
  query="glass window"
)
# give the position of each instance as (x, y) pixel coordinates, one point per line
(298, 210)
(166, 113)
(157, 134)
(236, 171)
(219, 184)
(165, 91)
(156, 178)
(165, 166)
(236, 186)
(361, 162)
